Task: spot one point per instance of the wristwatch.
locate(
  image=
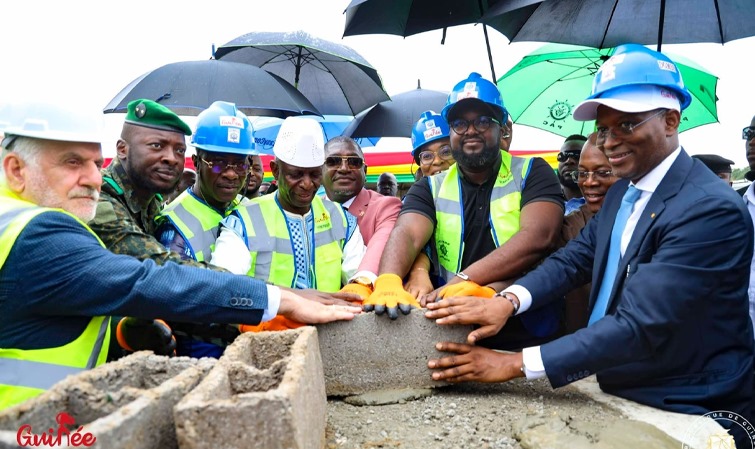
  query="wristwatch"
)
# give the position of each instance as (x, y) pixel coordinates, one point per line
(463, 276)
(362, 280)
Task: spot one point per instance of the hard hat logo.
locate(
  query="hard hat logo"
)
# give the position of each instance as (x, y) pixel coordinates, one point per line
(231, 121)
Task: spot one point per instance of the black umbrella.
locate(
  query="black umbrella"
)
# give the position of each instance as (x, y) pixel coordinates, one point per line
(334, 77)
(189, 87)
(409, 17)
(396, 117)
(608, 23)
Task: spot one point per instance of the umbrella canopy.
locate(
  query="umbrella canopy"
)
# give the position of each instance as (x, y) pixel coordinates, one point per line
(334, 77)
(409, 17)
(609, 23)
(543, 89)
(396, 117)
(189, 87)
(266, 129)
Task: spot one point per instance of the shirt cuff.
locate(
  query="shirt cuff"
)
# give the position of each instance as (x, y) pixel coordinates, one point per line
(368, 274)
(273, 303)
(533, 363)
(524, 296)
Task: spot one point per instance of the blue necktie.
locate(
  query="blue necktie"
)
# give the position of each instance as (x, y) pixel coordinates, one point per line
(614, 253)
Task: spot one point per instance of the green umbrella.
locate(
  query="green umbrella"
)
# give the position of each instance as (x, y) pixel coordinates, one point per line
(543, 89)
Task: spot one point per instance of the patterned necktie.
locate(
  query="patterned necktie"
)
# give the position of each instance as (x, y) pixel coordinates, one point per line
(614, 254)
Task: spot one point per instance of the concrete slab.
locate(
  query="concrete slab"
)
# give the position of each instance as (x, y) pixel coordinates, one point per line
(372, 352)
(692, 431)
(123, 404)
(266, 392)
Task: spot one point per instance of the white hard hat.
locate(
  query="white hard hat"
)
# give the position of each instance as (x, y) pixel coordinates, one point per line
(54, 122)
(300, 142)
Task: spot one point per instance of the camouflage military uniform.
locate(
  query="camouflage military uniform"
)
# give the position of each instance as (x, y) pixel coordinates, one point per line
(126, 228)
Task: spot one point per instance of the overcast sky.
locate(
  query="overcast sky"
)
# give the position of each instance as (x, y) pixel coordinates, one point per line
(86, 51)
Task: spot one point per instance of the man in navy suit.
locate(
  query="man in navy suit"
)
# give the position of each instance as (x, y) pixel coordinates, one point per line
(673, 331)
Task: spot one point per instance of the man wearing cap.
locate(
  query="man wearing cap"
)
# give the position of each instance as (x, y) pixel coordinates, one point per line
(748, 194)
(490, 217)
(224, 144)
(60, 285)
(668, 255)
(568, 158)
(717, 164)
(294, 238)
(150, 159)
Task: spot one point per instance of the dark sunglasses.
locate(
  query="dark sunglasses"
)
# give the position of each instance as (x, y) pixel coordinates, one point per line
(218, 167)
(748, 133)
(565, 155)
(352, 162)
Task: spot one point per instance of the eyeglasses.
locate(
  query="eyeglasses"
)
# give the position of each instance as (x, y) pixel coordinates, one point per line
(748, 133)
(625, 129)
(444, 153)
(352, 162)
(218, 167)
(566, 155)
(600, 175)
(481, 124)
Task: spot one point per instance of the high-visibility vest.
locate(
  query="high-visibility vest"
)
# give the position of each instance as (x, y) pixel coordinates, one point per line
(197, 223)
(505, 209)
(25, 373)
(272, 249)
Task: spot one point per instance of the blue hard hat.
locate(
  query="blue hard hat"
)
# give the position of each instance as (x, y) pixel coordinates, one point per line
(475, 87)
(221, 128)
(637, 65)
(429, 128)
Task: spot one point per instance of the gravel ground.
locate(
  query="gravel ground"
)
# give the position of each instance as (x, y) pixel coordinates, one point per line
(459, 416)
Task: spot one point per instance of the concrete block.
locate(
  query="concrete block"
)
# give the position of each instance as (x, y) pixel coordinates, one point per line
(266, 392)
(123, 404)
(372, 352)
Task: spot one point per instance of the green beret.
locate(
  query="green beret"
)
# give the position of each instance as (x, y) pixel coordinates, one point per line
(154, 115)
(715, 163)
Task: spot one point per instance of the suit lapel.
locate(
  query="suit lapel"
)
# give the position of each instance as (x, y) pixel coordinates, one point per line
(359, 206)
(667, 189)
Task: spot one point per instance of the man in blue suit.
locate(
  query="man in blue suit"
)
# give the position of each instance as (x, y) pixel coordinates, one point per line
(670, 327)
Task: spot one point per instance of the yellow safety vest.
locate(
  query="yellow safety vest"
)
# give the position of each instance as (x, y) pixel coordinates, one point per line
(505, 208)
(197, 223)
(25, 373)
(272, 251)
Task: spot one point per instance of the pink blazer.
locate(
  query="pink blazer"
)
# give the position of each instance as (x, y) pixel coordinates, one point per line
(376, 214)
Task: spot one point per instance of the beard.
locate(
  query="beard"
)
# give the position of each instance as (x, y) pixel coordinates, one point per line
(139, 179)
(80, 201)
(476, 161)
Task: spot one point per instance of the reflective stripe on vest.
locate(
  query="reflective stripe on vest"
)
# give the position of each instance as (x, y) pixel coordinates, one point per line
(196, 222)
(505, 208)
(27, 373)
(272, 251)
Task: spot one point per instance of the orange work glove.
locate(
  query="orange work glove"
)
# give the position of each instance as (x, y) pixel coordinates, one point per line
(466, 288)
(389, 294)
(363, 291)
(279, 323)
(136, 334)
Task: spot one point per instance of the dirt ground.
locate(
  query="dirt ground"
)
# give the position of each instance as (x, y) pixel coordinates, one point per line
(491, 416)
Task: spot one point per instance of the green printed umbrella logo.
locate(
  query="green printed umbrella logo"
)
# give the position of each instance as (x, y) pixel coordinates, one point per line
(545, 87)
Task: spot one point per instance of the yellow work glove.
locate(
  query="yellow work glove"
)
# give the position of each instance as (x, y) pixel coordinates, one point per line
(363, 291)
(389, 294)
(466, 288)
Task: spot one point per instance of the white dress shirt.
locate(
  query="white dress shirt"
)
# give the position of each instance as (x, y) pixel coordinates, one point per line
(533, 360)
(749, 199)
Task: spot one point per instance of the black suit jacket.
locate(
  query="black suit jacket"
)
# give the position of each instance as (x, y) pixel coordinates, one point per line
(677, 334)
